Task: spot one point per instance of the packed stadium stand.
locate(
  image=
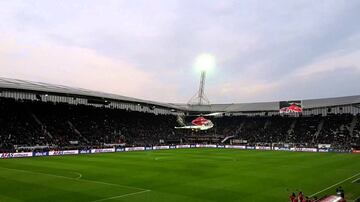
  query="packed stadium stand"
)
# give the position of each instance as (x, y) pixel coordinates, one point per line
(44, 116)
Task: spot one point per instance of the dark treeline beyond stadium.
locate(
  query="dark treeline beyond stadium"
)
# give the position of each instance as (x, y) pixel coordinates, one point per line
(61, 125)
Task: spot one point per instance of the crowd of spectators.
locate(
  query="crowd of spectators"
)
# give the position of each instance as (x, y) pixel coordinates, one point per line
(304, 130)
(36, 123)
(32, 123)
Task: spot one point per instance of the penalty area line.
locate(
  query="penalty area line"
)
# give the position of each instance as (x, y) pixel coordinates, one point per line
(79, 175)
(358, 179)
(79, 178)
(334, 185)
(122, 196)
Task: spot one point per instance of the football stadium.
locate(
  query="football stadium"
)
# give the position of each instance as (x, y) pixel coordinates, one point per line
(100, 101)
(67, 144)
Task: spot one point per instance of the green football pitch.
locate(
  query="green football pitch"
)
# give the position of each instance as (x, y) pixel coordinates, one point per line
(179, 175)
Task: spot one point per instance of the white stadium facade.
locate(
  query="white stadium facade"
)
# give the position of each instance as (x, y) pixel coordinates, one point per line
(28, 90)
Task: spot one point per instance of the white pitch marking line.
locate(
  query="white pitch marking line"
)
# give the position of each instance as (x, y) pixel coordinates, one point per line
(77, 179)
(356, 199)
(79, 175)
(121, 196)
(334, 185)
(355, 180)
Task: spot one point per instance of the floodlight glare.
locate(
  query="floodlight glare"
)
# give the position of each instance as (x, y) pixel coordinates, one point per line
(205, 62)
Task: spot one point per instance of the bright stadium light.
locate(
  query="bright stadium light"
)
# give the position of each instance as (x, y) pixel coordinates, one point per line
(205, 62)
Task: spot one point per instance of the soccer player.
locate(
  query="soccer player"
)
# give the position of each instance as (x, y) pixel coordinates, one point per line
(340, 192)
(301, 196)
(292, 197)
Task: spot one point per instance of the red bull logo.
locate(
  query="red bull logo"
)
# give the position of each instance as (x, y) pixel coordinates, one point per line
(290, 107)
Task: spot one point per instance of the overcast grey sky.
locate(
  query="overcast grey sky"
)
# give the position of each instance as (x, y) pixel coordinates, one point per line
(265, 50)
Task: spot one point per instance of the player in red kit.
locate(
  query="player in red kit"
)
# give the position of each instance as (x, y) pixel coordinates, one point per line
(301, 196)
(292, 197)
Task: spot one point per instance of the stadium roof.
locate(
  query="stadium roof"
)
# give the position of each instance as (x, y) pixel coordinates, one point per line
(22, 85)
(274, 106)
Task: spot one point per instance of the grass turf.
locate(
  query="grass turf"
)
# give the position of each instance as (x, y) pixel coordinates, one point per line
(178, 175)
